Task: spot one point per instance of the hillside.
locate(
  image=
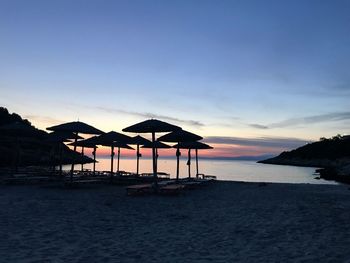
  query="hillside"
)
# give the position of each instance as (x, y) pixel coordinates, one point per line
(324, 153)
(333, 155)
(29, 146)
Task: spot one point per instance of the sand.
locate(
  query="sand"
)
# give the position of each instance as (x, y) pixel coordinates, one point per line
(224, 222)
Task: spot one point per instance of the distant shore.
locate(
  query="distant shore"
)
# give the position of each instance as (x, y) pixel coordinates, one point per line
(337, 170)
(223, 222)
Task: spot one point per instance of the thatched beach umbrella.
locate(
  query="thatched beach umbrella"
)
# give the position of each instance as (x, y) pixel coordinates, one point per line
(157, 145)
(88, 143)
(152, 126)
(58, 138)
(76, 127)
(138, 140)
(179, 136)
(114, 139)
(192, 145)
(20, 130)
(119, 145)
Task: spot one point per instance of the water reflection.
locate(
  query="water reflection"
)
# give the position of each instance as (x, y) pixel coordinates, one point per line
(224, 170)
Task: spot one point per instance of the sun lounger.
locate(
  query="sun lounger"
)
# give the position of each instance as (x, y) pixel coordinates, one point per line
(191, 184)
(159, 174)
(139, 189)
(205, 176)
(125, 173)
(171, 189)
(166, 182)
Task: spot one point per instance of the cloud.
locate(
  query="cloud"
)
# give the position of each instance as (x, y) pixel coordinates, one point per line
(274, 142)
(151, 115)
(329, 117)
(42, 119)
(258, 126)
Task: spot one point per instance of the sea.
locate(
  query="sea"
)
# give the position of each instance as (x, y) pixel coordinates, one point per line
(229, 170)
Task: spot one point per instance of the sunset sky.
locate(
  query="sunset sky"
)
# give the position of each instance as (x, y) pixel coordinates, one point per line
(252, 77)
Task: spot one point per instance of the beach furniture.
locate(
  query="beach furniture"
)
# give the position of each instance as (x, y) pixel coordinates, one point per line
(76, 127)
(171, 189)
(179, 136)
(138, 140)
(207, 177)
(57, 139)
(152, 126)
(193, 145)
(18, 131)
(139, 189)
(157, 145)
(114, 139)
(88, 143)
(159, 175)
(191, 184)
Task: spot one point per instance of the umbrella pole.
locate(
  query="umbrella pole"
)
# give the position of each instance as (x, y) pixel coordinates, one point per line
(197, 163)
(82, 158)
(73, 161)
(61, 152)
(189, 163)
(154, 161)
(94, 165)
(112, 157)
(118, 160)
(177, 161)
(157, 159)
(137, 159)
(52, 159)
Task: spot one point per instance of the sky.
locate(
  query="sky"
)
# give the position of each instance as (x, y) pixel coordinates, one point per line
(251, 77)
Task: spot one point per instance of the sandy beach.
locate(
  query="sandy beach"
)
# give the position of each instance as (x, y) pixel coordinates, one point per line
(223, 222)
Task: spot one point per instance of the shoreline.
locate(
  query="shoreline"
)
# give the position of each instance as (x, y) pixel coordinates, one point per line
(337, 170)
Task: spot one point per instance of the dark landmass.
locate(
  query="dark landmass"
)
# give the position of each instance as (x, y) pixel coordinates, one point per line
(333, 155)
(32, 149)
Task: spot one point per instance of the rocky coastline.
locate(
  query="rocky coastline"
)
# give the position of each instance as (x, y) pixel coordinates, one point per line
(328, 169)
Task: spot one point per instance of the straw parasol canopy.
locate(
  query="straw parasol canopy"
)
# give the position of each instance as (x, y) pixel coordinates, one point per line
(19, 130)
(157, 145)
(57, 138)
(87, 143)
(179, 136)
(114, 139)
(152, 126)
(76, 127)
(138, 140)
(196, 146)
(118, 145)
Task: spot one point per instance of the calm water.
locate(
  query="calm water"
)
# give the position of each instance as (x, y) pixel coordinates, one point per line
(249, 171)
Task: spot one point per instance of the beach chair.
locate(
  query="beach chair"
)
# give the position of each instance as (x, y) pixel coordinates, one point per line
(139, 189)
(159, 174)
(171, 189)
(205, 176)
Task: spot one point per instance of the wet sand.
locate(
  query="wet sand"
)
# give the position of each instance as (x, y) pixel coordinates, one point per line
(223, 222)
